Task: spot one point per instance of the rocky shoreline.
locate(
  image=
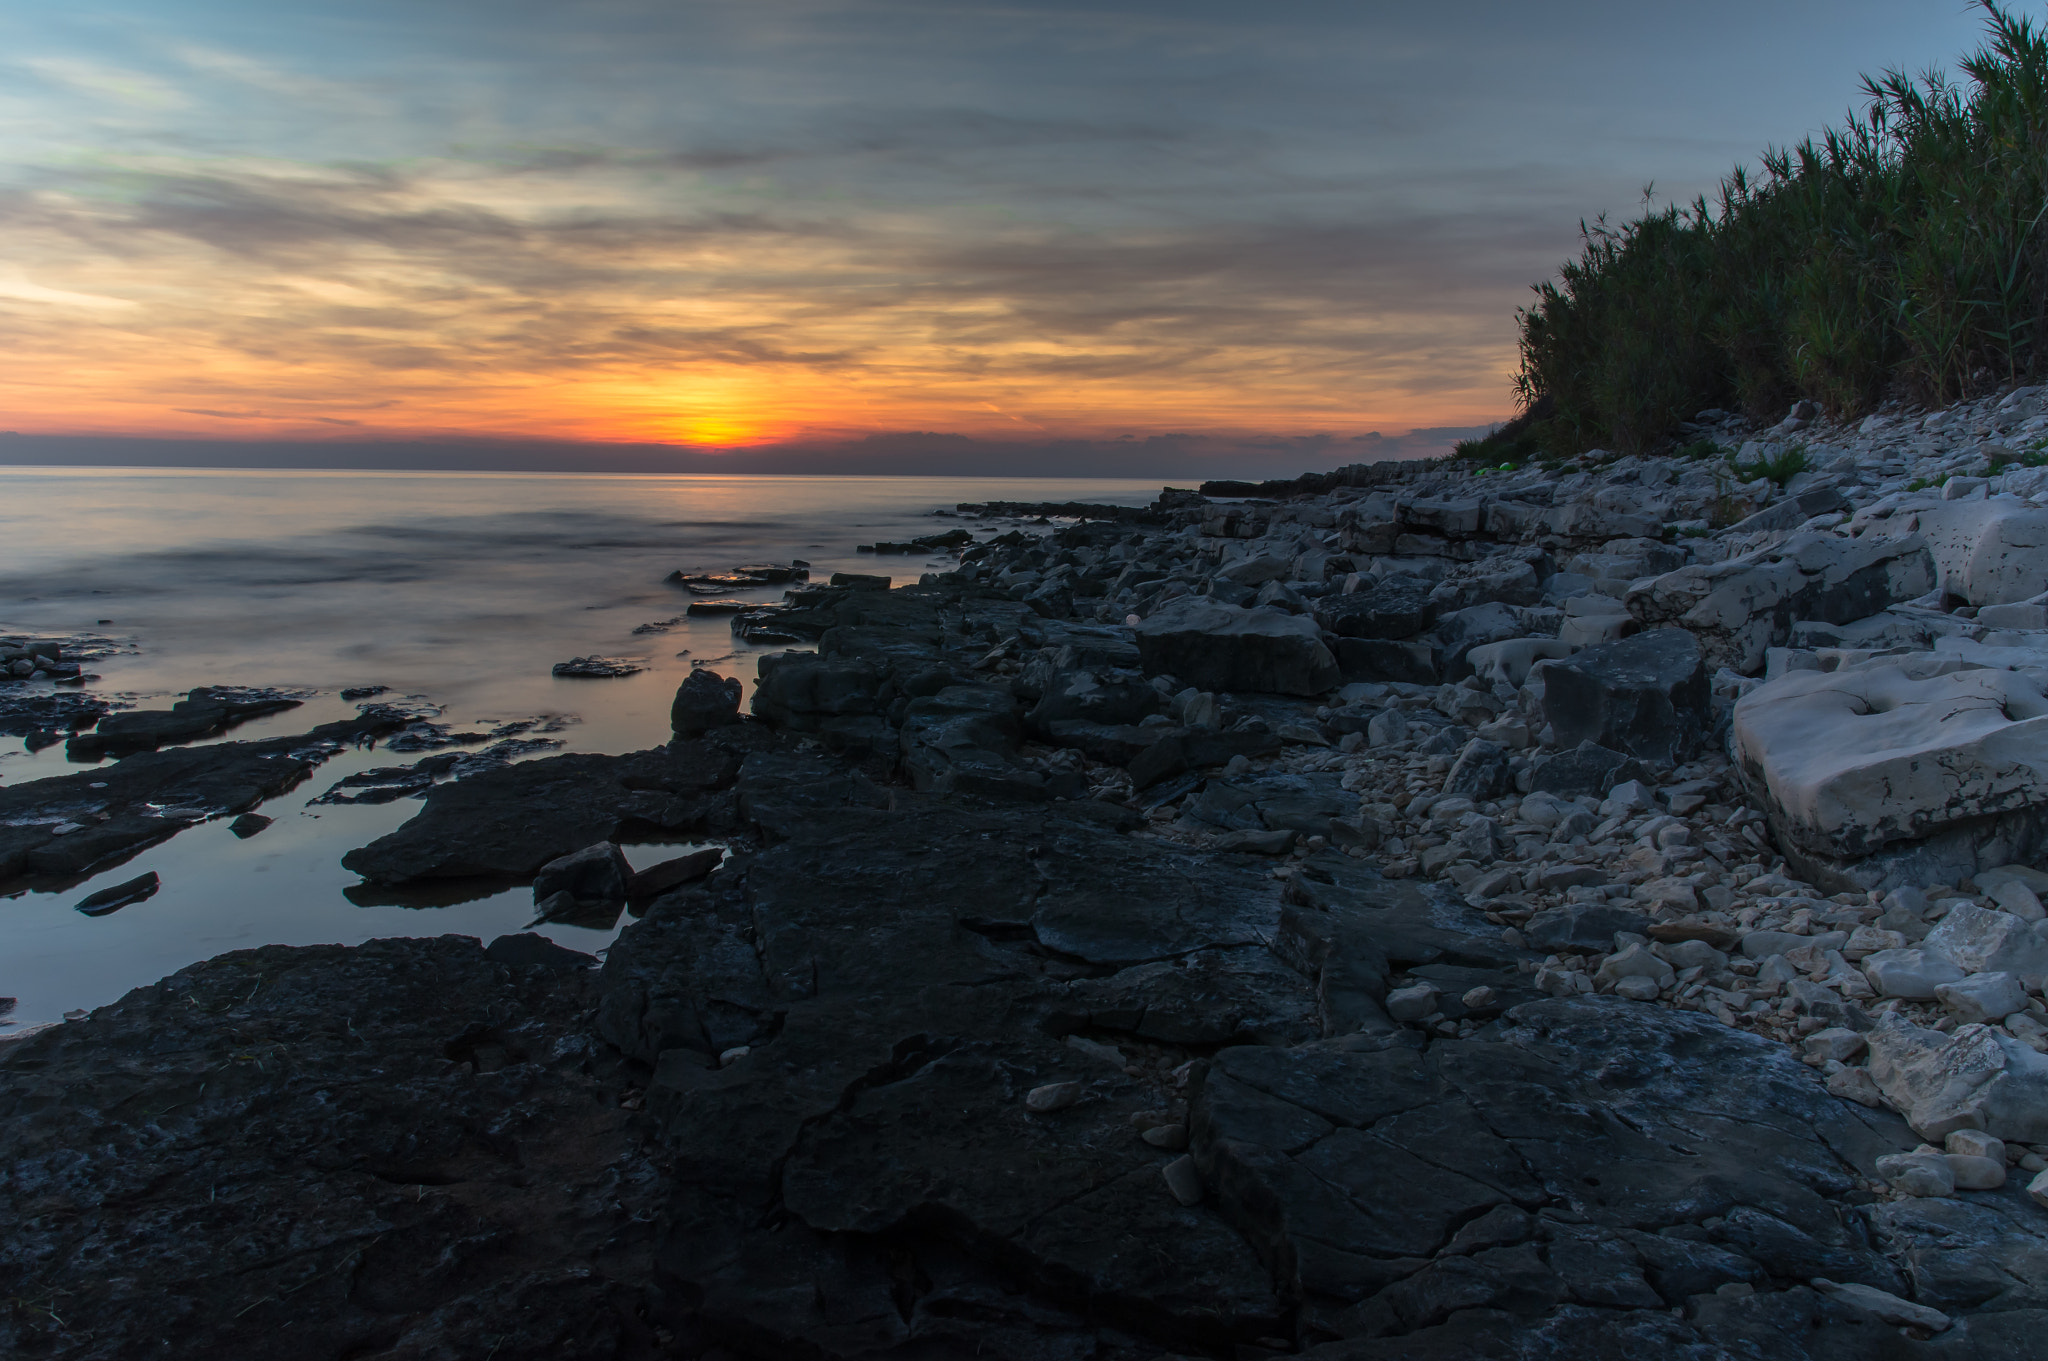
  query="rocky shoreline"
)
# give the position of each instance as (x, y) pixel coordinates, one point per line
(1405, 912)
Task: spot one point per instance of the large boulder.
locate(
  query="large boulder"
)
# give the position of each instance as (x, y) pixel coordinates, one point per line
(1391, 607)
(808, 691)
(1977, 1078)
(1645, 696)
(1214, 646)
(1742, 606)
(1943, 773)
(704, 701)
(1987, 552)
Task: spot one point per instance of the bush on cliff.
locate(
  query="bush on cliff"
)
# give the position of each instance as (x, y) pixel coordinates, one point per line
(1906, 253)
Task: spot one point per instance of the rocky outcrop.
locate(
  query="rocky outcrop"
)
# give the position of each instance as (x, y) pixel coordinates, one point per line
(1645, 696)
(1742, 606)
(1226, 647)
(406, 1147)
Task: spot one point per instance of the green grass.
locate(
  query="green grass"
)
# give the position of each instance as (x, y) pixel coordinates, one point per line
(1780, 467)
(1904, 254)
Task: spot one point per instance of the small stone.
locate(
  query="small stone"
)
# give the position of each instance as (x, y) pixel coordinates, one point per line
(2032, 1162)
(1637, 989)
(734, 1055)
(1974, 1142)
(2018, 899)
(1412, 1003)
(2038, 1188)
(1183, 1180)
(1882, 1305)
(1975, 1174)
(1053, 1096)
(1173, 1138)
(1854, 1084)
(1836, 1042)
(1918, 1174)
(1480, 998)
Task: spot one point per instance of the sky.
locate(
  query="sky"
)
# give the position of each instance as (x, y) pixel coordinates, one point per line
(1104, 234)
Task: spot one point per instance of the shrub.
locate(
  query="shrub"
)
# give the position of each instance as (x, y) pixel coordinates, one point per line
(1904, 253)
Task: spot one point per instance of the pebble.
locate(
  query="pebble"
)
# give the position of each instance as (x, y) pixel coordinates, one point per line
(1186, 1183)
(1053, 1096)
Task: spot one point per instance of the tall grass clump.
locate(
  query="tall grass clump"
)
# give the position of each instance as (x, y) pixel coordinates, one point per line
(1905, 254)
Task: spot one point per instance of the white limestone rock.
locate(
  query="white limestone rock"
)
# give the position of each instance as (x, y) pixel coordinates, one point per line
(1852, 761)
(1981, 941)
(1740, 607)
(1982, 997)
(1976, 1078)
(1912, 974)
(1987, 552)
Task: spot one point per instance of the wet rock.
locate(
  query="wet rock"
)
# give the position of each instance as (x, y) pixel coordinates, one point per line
(595, 874)
(248, 825)
(509, 822)
(205, 712)
(704, 701)
(118, 896)
(596, 668)
(669, 875)
(113, 812)
(1645, 696)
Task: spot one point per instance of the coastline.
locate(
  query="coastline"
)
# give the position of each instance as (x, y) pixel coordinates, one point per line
(1397, 941)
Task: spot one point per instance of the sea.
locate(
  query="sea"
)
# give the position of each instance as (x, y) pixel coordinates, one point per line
(458, 592)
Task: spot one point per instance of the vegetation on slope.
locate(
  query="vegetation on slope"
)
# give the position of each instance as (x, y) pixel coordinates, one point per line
(1905, 254)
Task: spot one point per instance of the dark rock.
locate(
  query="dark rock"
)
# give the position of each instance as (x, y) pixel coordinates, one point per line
(509, 822)
(1481, 771)
(1457, 633)
(402, 1147)
(248, 825)
(1391, 607)
(1411, 662)
(1587, 769)
(364, 691)
(1585, 927)
(529, 951)
(1646, 696)
(120, 895)
(596, 668)
(44, 719)
(964, 740)
(802, 690)
(595, 874)
(106, 815)
(1181, 750)
(1222, 647)
(860, 582)
(660, 878)
(205, 712)
(704, 701)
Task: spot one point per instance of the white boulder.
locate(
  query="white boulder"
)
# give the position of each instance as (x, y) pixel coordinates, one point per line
(1987, 552)
(1976, 1078)
(1981, 941)
(1982, 997)
(1854, 760)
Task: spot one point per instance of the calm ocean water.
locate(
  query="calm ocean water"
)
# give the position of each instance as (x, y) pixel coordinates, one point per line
(461, 589)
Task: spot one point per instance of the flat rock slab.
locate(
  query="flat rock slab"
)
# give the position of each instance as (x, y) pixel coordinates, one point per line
(508, 823)
(69, 825)
(394, 1149)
